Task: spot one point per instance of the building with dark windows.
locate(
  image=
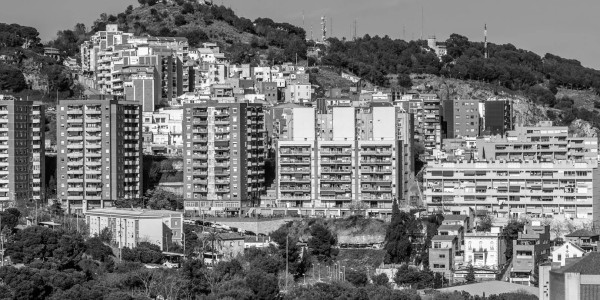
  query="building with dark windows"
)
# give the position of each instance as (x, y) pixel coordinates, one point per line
(224, 154)
(99, 153)
(498, 117)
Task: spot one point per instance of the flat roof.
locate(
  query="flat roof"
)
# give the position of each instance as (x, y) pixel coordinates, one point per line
(491, 288)
(449, 227)
(443, 237)
(133, 212)
(455, 217)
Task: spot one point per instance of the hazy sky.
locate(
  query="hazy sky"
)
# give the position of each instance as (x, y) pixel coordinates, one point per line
(565, 28)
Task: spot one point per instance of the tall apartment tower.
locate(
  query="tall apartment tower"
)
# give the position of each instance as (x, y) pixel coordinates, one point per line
(21, 152)
(349, 157)
(224, 155)
(498, 118)
(461, 118)
(100, 153)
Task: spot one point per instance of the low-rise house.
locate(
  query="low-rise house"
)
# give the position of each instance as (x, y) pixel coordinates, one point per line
(565, 251)
(131, 226)
(232, 244)
(531, 247)
(456, 230)
(485, 249)
(441, 254)
(462, 220)
(584, 238)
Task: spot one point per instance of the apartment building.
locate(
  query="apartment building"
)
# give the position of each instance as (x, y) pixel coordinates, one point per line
(538, 170)
(461, 118)
(138, 83)
(431, 123)
(498, 117)
(100, 153)
(162, 132)
(543, 142)
(531, 247)
(224, 155)
(131, 226)
(22, 167)
(298, 93)
(329, 162)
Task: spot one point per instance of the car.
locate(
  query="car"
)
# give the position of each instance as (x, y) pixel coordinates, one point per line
(248, 232)
(188, 222)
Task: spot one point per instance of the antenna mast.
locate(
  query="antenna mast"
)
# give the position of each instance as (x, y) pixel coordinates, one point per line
(422, 17)
(485, 49)
(324, 28)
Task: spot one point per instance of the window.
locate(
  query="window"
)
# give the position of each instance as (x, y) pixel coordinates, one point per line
(560, 257)
(442, 255)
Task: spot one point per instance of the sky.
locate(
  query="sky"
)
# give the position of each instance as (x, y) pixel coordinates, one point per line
(564, 28)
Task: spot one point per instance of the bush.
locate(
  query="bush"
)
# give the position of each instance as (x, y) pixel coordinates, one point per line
(180, 20)
(357, 278)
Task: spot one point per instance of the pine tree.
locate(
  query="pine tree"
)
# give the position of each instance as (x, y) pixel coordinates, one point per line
(470, 277)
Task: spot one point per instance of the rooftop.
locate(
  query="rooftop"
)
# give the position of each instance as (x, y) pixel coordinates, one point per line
(449, 227)
(443, 237)
(581, 233)
(588, 265)
(455, 217)
(492, 287)
(133, 212)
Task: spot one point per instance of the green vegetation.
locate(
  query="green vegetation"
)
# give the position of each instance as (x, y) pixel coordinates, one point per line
(403, 229)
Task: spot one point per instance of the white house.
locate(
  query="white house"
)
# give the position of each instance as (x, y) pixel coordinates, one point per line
(566, 250)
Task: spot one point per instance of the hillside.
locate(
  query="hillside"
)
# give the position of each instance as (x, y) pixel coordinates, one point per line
(348, 230)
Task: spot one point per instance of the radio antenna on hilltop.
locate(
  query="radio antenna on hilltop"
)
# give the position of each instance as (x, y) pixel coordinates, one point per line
(422, 17)
(330, 26)
(485, 48)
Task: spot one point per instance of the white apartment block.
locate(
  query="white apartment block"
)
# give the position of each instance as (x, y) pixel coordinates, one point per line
(132, 226)
(328, 162)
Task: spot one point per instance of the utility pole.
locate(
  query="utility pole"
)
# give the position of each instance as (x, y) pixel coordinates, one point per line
(287, 260)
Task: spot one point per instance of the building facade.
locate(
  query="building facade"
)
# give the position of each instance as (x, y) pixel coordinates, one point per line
(100, 153)
(531, 247)
(22, 167)
(128, 227)
(498, 117)
(485, 249)
(461, 118)
(224, 155)
(346, 157)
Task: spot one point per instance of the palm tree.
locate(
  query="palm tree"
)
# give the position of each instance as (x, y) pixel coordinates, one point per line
(213, 237)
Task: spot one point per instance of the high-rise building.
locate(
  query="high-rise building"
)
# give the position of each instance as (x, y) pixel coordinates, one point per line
(21, 152)
(348, 157)
(224, 155)
(100, 153)
(431, 123)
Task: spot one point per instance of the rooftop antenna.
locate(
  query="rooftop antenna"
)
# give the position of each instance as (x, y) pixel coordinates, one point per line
(303, 27)
(485, 49)
(324, 28)
(355, 36)
(311, 33)
(330, 26)
(422, 17)
(403, 32)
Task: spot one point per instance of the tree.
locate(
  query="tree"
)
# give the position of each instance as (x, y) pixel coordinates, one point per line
(264, 285)
(511, 233)
(187, 8)
(470, 277)
(214, 239)
(97, 249)
(163, 199)
(10, 218)
(357, 278)
(11, 79)
(380, 280)
(485, 223)
(180, 20)
(321, 242)
(404, 229)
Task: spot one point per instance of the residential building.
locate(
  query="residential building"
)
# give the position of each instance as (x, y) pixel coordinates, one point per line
(441, 254)
(100, 153)
(542, 142)
(566, 251)
(498, 117)
(485, 249)
(269, 89)
(431, 123)
(579, 279)
(232, 245)
(584, 238)
(531, 247)
(298, 93)
(461, 118)
(538, 170)
(139, 84)
(224, 155)
(438, 47)
(328, 162)
(453, 230)
(512, 188)
(128, 227)
(162, 132)
(460, 220)
(22, 167)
